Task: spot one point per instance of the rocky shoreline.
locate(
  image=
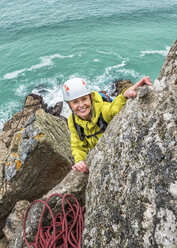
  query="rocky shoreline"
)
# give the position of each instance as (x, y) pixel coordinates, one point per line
(131, 190)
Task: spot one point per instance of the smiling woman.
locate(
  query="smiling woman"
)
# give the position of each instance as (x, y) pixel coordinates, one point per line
(82, 107)
(91, 115)
(78, 95)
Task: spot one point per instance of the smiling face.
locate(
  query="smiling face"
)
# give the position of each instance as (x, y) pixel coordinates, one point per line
(82, 107)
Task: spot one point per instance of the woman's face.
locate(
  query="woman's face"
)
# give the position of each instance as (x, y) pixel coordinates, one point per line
(82, 107)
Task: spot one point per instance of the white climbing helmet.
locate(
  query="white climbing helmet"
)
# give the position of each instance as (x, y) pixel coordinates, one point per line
(75, 88)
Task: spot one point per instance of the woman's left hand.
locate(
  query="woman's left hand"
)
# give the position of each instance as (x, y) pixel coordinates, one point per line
(131, 92)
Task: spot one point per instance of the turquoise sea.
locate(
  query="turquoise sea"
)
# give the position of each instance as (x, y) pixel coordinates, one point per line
(45, 42)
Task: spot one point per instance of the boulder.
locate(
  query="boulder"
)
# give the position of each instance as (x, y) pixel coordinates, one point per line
(131, 196)
(38, 158)
(32, 104)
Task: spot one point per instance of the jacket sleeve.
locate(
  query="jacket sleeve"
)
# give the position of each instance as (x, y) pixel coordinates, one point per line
(110, 110)
(79, 148)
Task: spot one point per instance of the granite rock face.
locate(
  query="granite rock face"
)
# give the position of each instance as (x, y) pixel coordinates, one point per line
(131, 198)
(38, 158)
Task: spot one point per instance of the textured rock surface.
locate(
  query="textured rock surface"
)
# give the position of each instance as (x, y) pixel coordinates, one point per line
(74, 183)
(131, 198)
(38, 159)
(56, 110)
(32, 104)
(4, 243)
(15, 219)
(3, 147)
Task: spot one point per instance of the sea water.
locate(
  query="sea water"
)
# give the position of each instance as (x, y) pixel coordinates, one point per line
(45, 42)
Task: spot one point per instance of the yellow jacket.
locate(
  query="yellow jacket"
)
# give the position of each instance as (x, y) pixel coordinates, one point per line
(80, 148)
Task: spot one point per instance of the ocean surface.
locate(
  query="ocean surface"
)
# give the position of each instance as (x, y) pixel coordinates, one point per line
(45, 42)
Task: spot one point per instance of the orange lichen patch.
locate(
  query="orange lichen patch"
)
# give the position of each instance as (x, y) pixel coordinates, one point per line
(38, 112)
(14, 154)
(18, 136)
(39, 136)
(8, 164)
(18, 165)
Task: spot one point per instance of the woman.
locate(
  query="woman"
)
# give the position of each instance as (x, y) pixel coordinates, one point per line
(90, 115)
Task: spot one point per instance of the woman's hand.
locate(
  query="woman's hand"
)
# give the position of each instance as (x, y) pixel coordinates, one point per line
(81, 166)
(131, 92)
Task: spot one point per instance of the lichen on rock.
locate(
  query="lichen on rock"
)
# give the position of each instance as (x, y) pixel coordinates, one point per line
(38, 158)
(131, 193)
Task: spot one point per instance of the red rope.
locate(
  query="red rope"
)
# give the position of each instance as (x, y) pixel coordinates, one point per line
(64, 231)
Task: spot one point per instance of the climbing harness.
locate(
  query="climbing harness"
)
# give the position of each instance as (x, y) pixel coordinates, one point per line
(65, 229)
(101, 122)
(80, 130)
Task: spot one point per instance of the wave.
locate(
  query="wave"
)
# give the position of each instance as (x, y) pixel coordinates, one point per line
(96, 60)
(115, 67)
(44, 62)
(109, 53)
(162, 52)
(131, 72)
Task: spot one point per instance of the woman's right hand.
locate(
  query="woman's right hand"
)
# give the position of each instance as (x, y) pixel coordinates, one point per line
(81, 166)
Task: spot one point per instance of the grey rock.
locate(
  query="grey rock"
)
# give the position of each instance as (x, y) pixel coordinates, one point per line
(35, 162)
(131, 197)
(15, 219)
(4, 243)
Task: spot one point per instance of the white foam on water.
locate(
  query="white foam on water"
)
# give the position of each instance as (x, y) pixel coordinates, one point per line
(131, 72)
(162, 52)
(13, 74)
(44, 62)
(7, 111)
(109, 53)
(21, 90)
(53, 96)
(115, 67)
(108, 75)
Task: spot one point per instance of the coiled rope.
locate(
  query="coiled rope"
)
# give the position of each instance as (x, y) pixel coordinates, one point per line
(64, 231)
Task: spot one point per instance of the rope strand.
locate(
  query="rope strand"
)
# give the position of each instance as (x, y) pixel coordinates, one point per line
(64, 231)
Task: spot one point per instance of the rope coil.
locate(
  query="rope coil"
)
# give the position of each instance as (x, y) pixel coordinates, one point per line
(65, 229)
